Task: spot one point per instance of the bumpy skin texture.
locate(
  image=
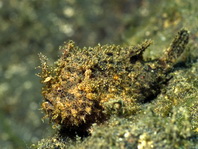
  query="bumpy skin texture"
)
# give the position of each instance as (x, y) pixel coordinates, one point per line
(86, 85)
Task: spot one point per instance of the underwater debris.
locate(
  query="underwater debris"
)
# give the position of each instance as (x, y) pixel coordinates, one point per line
(86, 85)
